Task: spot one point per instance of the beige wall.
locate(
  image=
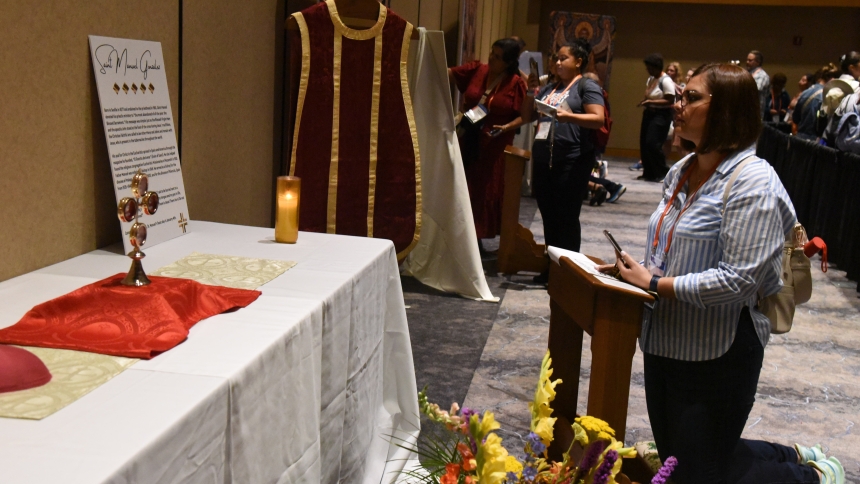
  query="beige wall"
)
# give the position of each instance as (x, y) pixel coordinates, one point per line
(56, 184)
(693, 34)
(231, 108)
(526, 22)
(496, 19)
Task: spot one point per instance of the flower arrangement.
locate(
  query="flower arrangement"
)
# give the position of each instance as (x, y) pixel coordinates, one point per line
(471, 453)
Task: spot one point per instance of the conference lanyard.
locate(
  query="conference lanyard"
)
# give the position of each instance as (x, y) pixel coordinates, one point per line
(491, 91)
(546, 126)
(773, 102)
(480, 111)
(550, 100)
(687, 204)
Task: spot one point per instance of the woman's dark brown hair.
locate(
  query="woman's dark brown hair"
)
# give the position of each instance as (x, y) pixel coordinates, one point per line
(510, 54)
(826, 73)
(734, 115)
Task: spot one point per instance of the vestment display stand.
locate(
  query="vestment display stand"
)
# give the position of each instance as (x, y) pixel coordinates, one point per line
(613, 317)
(518, 250)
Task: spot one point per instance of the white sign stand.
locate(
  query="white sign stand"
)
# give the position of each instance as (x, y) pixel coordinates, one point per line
(139, 130)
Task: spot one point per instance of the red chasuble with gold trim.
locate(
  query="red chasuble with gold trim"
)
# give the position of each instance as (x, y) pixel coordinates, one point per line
(355, 145)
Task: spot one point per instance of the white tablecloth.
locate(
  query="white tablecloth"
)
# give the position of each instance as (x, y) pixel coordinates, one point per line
(304, 385)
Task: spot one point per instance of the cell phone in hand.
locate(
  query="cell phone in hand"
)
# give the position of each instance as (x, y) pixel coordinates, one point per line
(615, 245)
(533, 67)
(495, 132)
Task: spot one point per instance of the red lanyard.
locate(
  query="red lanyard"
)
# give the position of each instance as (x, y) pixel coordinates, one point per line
(773, 101)
(494, 87)
(687, 204)
(549, 97)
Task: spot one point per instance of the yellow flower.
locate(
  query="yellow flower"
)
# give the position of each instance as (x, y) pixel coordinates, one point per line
(492, 458)
(513, 465)
(544, 429)
(480, 428)
(544, 395)
(595, 428)
(579, 434)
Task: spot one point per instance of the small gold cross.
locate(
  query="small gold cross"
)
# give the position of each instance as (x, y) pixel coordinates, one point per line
(182, 222)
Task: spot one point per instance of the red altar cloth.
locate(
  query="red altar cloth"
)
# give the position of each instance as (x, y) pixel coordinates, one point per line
(137, 322)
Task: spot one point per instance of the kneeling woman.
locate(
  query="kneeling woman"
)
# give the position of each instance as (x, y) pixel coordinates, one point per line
(704, 341)
(563, 154)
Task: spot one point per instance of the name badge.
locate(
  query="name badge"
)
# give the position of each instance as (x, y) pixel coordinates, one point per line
(477, 113)
(656, 264)
(543, 128)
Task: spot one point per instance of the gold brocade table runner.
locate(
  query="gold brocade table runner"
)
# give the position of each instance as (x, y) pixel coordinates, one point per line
(225, 270)
(76, 373)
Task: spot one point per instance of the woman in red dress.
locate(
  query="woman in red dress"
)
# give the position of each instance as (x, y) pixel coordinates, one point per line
(485, 176)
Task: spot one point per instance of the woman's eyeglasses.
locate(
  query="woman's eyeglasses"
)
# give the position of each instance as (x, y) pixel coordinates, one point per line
(689, 97)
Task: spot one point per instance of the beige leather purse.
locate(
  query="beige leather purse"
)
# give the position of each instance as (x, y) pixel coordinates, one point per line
(796, 273)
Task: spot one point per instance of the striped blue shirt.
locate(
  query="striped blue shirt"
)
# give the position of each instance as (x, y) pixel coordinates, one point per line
(720, 258)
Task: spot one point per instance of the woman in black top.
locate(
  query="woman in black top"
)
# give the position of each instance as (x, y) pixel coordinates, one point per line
(563, 151)
(656, 119)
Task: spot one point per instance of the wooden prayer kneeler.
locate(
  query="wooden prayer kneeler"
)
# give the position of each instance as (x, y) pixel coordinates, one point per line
(613, 317)
(518, 250)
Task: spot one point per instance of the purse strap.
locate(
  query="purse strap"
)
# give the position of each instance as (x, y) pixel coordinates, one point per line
(735, 174)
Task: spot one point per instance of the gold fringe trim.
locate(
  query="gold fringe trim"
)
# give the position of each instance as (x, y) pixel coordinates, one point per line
(303, 85)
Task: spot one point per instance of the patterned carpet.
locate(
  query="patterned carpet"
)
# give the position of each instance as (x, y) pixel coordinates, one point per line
(487, 356)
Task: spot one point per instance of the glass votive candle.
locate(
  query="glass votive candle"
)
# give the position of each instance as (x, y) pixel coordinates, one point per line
(287, 206)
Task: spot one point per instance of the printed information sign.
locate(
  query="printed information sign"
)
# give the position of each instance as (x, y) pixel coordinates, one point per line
(139, 130)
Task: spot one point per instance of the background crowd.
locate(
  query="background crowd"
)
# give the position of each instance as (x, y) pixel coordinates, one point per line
(823, 110)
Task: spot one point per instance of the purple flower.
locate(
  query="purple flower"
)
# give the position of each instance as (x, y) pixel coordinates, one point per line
(604, 472)
(529, 473)
(511, 477)
(467, 413)
(592, 454)
(535, 443)
(665, 471)
(589, 459)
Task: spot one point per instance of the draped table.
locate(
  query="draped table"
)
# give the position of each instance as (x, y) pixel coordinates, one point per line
(307, 384)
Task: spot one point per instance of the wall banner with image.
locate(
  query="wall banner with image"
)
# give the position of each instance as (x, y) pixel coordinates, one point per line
(598, 30)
